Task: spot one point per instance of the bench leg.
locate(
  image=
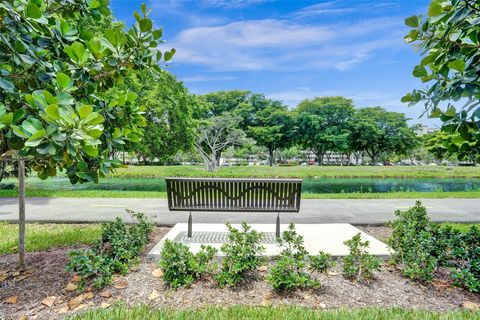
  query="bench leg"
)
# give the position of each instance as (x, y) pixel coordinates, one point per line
(189, 232)
(277, 231)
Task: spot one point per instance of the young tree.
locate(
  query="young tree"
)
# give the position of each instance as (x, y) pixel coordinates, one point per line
(381, 133)
(323, 125)
(215, 135)
(449, 43)
(273, 128)
(442, 145)
(55, 70)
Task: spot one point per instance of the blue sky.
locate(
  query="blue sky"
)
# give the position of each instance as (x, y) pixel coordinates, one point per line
(291, 50)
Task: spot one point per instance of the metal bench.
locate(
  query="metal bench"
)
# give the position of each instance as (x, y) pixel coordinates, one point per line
(237, 195)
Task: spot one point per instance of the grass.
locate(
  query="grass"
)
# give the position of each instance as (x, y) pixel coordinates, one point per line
(41, 237)
(462, 227)
(277, 313)
(156, 194)
(301, 172)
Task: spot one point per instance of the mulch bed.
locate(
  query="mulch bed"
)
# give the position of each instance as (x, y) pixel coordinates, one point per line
(46, 276)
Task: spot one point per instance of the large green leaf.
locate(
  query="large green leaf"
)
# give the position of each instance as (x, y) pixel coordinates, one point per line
(6, 85)
(458, 65)
(64, 81)
(33, 11)
(32, 125)
(52, 111)
(435, 9)
(145, 25)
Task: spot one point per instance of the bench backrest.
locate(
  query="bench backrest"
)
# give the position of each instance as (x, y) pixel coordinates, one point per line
(211, 194)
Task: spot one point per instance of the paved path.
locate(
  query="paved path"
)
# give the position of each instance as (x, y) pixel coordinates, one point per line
(357, 211)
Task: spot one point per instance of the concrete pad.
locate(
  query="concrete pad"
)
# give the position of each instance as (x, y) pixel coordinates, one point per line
(317, 237)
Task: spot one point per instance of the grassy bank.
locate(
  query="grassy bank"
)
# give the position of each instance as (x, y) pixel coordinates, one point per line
(154, 194)
(145, 313)
(41, 237)
(301, 172)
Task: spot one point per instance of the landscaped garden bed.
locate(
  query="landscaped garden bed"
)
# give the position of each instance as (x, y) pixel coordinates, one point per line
(47, 291)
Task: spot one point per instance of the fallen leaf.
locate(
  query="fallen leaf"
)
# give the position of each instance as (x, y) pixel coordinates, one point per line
(11, 300)
(80, 307)
(154, 295)
(134, 268)
(71, 287)
(105, 305)
(268, 295)
(266, 302)
(157, 273)
(24, 317)
(323, 305)
(76, 278)
(331, 273)
(49, 301)
(3, 276)
(62, 310)
(469, 305)
(262, 268)
(88, 295)
(121, 284)
(307, 296)
(75, 302)
(16, 273)
(23, 277)
(105, 294)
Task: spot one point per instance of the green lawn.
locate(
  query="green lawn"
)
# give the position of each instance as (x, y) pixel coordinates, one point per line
(301, 172)
(279, 313)
(41, 237)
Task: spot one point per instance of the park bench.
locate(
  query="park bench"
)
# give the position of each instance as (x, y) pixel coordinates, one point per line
(234, 195)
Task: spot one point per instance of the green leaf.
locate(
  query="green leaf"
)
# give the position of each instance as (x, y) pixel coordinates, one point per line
(6, 85)
(33, 11)
(458, 65)
(157, 34)
(145, 25)
(132, 96)
(167, 56)
(451, 111)
(64, 27)
(18, 131)
(412, 21)
(85, 110)
(52, 111)
(435, 9)
(419, 72)
(32, 125)
(64, 81)
(90, 151)
(95, 45)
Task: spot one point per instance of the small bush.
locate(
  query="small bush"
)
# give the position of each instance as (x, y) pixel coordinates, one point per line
(116, 251)
(414, 244)
(288, 273)
(242, 255)
(359, 264)
(321, 262)
(181, 267)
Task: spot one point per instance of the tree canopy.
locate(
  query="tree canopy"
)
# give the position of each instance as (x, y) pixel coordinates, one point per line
(55, 71)
(448, 38)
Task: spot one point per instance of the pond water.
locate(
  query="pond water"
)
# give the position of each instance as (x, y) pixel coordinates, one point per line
(339, 185)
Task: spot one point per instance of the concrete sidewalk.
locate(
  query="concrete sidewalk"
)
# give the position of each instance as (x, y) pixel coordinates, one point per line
(355, 211)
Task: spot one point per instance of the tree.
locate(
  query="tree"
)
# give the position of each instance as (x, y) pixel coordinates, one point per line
(381, 133)
(216, 134)
(442, 144)
(55, 71)
(168, 112)
(448, 39)
(224, 101)
(323, 125)
(273, 128)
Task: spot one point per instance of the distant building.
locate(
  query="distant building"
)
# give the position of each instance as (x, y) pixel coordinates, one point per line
(422, 129)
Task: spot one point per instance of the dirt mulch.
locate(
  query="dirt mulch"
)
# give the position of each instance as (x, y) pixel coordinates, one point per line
(49, 278)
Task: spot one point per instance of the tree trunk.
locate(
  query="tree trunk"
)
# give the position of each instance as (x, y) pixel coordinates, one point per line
(271, 159)
(320, 156)
(21, 213)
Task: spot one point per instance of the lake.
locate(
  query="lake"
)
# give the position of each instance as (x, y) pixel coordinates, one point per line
(330, 185)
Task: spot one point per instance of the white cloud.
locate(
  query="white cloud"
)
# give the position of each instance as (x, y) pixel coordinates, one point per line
(207, 78)
(230, 4)
(284, 45)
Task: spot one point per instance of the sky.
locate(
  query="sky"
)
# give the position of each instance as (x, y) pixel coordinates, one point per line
(291, 50)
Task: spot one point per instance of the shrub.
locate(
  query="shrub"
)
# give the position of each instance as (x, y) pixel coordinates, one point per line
(359, 264)
(321, 262)
(242, 255)
(181, 267)
(116, 251)
(414, 245)
(287, 274)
